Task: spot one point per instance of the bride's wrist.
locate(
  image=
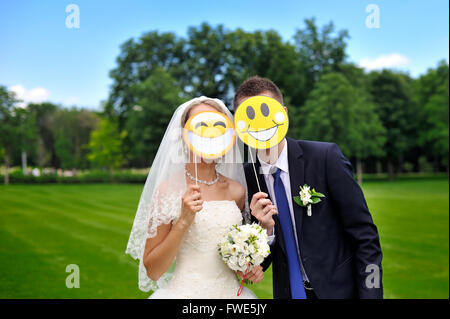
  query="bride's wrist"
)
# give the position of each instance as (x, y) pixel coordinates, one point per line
(182, 224)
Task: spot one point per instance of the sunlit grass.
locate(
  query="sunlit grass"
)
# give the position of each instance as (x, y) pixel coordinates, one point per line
(44, 228)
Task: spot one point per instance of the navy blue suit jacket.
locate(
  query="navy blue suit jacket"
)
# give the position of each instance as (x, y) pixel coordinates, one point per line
(339, 241)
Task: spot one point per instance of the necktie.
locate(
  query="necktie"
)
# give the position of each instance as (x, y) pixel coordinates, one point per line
(295, 276)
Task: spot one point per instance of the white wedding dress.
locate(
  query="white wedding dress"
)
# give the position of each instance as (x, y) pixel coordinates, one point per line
(200, 271)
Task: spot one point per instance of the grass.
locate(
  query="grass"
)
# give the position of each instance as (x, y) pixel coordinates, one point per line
(413, 222)
(44, 228)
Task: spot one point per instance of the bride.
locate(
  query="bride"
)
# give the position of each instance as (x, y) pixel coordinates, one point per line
(185, 209)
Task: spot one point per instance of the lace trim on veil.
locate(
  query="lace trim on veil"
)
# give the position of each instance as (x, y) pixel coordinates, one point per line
(163, 208)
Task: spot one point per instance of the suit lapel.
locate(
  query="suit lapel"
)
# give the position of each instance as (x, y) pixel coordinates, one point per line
(297, 179)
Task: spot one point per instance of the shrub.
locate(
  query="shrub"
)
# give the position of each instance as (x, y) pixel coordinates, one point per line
(94, 176)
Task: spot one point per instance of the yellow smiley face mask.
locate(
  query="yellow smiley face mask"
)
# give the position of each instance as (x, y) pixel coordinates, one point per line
(261, 122)
(209, 134)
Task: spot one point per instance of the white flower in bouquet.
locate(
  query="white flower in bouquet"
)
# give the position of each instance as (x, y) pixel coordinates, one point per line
(305, 195)
(233, 262)
(244, 247)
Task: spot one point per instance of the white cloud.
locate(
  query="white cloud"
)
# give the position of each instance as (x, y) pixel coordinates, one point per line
(394, 60)
(34, 95)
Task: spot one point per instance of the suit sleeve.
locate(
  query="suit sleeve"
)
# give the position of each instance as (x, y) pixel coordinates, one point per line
(351, 205)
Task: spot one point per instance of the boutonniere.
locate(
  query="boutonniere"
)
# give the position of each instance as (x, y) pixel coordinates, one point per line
(307, 197)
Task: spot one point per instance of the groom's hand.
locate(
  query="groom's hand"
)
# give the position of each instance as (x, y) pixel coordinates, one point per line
(263, 209)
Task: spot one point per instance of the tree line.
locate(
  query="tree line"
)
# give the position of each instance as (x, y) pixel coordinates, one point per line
(383, 121)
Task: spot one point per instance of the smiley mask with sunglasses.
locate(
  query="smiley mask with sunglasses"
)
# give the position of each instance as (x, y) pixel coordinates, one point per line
(209, 134)
(261, 122)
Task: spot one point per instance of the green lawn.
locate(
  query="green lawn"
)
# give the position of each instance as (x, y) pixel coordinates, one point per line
(43, 228)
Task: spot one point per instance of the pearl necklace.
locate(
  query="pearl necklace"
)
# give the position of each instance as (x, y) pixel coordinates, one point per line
(200, 180)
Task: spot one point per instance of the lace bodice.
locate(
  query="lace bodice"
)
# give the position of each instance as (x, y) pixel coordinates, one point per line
(200, 271)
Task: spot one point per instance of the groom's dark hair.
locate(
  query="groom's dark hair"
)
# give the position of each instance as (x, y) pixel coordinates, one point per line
(256, 85)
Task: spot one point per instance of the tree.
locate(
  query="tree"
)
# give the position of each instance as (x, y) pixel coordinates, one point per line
(207, 64)
(338, 112)
(392, 94)
(27, 134)
(211, 61)
(436, 119)
(137, 60)
(2, 153)
(319, 50)
(432, 94)
(157, 98)
(71, 131)
(44, 115)
(106, 146)
(9, 126)
(264, 53)
(355, 75)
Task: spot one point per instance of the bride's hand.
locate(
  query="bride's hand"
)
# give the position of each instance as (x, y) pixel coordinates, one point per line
(255, 275)
(191, 203)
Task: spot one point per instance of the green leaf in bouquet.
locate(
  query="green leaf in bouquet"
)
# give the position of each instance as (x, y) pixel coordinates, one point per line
(315, 200)
(247, 282)
(314, 193)
(318, 194)
(298, 200)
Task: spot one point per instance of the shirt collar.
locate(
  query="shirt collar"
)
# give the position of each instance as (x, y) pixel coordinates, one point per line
(281, 163)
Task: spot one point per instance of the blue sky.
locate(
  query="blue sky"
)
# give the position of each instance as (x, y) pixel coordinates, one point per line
(42, 59)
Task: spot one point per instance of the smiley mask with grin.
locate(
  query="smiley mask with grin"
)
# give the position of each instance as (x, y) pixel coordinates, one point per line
(261, 122)
(209, 134)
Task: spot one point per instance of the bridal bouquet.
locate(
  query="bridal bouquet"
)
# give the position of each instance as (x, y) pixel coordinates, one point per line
(244, 247)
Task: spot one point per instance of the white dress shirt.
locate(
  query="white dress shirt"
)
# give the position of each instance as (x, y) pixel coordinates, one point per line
(268, 169)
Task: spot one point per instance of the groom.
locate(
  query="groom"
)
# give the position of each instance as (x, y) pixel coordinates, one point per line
(333, 253)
